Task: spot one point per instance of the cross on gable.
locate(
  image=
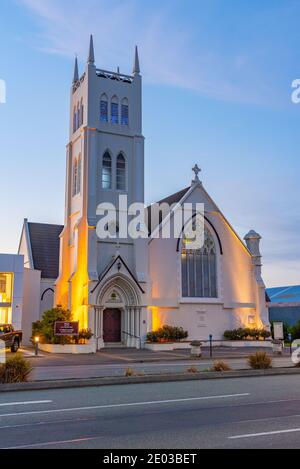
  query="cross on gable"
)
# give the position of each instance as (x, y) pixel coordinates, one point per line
(196, 170)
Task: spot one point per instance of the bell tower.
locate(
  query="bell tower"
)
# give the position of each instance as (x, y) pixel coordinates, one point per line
(105, 159)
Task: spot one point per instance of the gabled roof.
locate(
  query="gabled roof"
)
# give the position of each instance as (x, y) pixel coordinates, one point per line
(171, 199)
(44, 241)
(110, 266)
(284, 294)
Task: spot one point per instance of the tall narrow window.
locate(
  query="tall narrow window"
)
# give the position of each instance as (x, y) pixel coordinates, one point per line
(81, 112)
(74, 120)
(199, 269)
(104, 108)
(75, 177)
(125, 112)
(114, 110)
(78, 116)
(106, 171)
(121, 173)
(78, 186)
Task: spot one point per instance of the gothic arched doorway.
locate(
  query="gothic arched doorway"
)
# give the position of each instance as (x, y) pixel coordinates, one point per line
(112, 325)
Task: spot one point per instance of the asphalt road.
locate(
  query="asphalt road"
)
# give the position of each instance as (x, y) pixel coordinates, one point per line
(238, 413)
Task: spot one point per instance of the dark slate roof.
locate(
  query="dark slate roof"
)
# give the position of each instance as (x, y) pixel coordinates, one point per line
(284, 294)
(44, 241)
(171, 199)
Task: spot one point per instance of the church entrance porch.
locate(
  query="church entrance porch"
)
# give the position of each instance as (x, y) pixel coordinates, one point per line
(118, 314)
(111, 325)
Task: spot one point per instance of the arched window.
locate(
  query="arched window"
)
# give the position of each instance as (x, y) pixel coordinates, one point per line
(121, 173)
(104, 108)
(114, 110)
(78, 116)
(74, 120)
(106, 171)
(81, 112)
(78, 186)
(75, 177)
(125, 112)
(199, 269)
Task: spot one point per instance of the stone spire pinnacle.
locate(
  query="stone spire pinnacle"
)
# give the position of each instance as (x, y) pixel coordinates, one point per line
(76, 74)
(91, 57)
(136, 65)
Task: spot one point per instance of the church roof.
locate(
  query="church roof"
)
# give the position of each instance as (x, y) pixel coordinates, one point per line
(44, 240)
(171, 199)
(284, 294)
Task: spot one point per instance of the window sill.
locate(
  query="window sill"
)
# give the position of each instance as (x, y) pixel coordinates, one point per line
(201, 300)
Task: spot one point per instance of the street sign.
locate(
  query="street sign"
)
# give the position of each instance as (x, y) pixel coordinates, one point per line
(278, 331)
(66, 328)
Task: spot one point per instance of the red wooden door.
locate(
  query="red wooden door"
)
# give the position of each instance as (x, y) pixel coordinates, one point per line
(112, 325)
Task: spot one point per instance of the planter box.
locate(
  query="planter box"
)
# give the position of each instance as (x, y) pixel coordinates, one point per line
(169, 346)
(160, 347)
(68, 349)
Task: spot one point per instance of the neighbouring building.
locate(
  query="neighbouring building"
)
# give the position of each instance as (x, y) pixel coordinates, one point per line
(284, 304)
(123, 288)
(11, 289)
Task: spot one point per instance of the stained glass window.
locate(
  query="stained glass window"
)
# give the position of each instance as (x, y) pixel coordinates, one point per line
(121, 173)
(199, 269)
(106, 171)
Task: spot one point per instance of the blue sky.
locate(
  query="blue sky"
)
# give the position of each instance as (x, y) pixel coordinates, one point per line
(217, 91)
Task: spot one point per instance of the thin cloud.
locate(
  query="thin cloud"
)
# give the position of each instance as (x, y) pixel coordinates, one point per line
(172, 53)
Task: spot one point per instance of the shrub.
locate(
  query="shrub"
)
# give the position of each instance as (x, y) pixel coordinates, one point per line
(129, 372)
(295, 331)
(15, 370)
(193, 370)
(167, 334)
(45, 328)
(247, 333)
(260, 361)
(220, 366)
(84, 335)
(152, 337)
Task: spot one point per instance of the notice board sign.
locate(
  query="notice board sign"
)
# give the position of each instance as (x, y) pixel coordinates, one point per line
(66, 328)
(278, 331)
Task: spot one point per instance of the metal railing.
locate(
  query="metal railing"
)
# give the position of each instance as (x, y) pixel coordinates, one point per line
(134, 337)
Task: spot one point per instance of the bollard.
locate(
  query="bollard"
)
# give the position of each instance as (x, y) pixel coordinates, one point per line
(210, 345)
(36, 339)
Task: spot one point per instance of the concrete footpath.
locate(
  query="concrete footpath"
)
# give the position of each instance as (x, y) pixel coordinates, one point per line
(111, 366)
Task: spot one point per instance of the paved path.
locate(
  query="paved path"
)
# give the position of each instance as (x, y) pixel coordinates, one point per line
(95, 371)
(240, 413)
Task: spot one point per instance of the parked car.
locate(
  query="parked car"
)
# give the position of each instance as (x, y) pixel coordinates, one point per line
(11, 338)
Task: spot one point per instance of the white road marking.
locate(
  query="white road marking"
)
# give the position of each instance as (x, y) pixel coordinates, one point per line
(131, 404)
(253, 435)
(10, 404)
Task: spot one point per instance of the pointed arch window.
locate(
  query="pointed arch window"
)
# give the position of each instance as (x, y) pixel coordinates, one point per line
(125, 112)
(106, 171)
(79, 170)
(78, 116)
(114, 110)
(75, 177)
(104, 108)
(199, 269)
(74, 120)
(121, 173)
(81, 112)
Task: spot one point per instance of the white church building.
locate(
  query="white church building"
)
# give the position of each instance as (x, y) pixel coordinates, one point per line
(122, 288)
